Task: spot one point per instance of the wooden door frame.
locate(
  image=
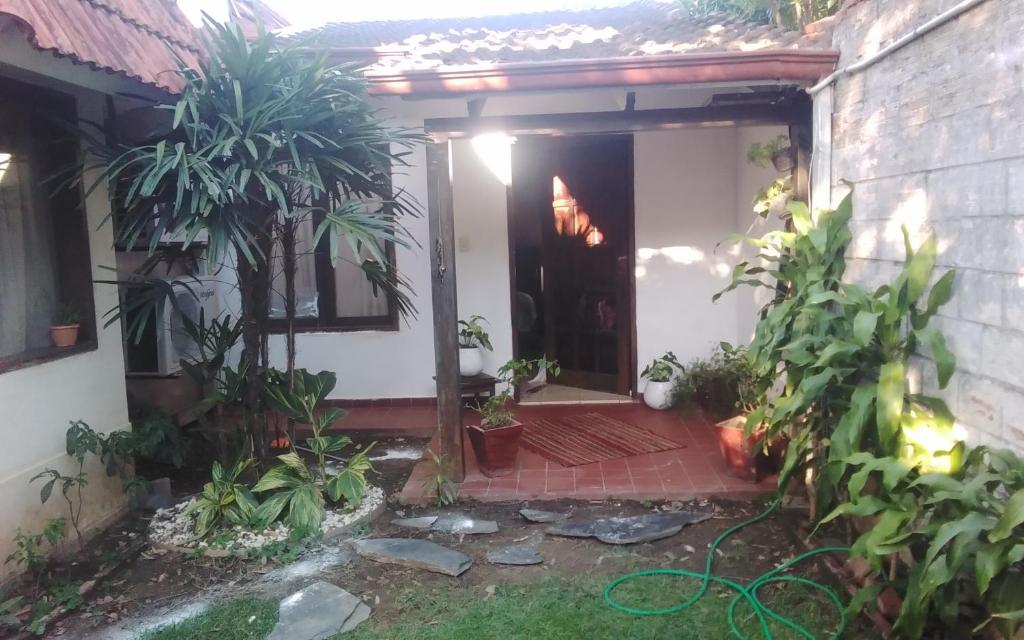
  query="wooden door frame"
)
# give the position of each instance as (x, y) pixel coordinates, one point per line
(631, 357)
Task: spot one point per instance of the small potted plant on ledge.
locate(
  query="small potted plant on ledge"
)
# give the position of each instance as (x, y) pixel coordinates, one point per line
(64, 330)
(723, 387)
(496, 439)
(660, 374)
(472, 340)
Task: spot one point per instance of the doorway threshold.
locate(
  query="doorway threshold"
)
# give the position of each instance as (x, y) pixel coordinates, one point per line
(553, 394)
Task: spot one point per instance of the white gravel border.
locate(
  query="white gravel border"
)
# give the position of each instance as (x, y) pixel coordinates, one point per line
(173, 529)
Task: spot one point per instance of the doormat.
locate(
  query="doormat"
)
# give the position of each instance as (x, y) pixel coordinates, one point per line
(590, 437)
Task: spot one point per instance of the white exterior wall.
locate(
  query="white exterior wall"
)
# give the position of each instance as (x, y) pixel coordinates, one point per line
(932, 137)
(693, 189)
(39, 401)
(481, 248)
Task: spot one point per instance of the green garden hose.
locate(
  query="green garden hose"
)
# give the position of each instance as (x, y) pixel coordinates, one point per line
(744, 594)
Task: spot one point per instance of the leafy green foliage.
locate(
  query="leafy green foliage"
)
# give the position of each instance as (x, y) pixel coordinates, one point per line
(790, 14)
(67, 314)
(225, 500)
(496, 411)
(214, 340)
(156, 438)
(472, 333)
(722, 385)
(298, 491)
(843, 350)
(662, 368)
(9, 608)
(760, 154)
(958, 532)
(437, 485)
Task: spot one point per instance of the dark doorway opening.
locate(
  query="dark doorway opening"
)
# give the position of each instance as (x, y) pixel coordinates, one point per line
(571, 213)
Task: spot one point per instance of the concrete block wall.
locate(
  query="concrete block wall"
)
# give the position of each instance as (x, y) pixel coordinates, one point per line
(932, 137)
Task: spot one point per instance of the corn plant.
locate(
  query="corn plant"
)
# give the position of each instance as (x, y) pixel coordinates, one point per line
(955, 527)
(842, 350)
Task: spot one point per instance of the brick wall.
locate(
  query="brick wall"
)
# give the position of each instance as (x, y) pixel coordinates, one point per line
(933, 137)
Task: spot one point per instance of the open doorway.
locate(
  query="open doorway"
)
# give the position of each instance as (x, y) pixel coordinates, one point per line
(571, 217)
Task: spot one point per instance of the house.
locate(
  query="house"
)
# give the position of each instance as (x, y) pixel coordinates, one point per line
(583, 170)
(70, 60)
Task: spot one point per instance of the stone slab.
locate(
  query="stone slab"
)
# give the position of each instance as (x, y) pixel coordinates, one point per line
(318, 612)
(418, 554)
(543, 517)
(518, 556)
(630, 529)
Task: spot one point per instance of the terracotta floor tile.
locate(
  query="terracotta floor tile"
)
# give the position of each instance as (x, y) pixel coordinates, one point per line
(693, 469)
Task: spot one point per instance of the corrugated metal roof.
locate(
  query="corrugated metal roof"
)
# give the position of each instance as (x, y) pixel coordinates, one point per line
(135, 38)
(640, 28)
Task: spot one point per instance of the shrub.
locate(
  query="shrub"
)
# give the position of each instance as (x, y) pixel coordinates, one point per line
(721, 385)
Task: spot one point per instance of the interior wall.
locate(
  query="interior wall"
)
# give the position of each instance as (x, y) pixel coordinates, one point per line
(39, 401)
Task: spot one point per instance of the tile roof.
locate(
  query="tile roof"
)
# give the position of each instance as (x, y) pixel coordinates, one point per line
(639, 28)
(134, 38)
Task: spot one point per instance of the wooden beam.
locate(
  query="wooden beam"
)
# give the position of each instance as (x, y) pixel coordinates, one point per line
(441, 217)
(615, 121)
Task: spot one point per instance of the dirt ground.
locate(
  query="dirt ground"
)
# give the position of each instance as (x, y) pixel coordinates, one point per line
(152, 587)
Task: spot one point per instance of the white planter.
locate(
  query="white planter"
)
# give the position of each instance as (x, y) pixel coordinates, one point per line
(471, 361)
(658, 395)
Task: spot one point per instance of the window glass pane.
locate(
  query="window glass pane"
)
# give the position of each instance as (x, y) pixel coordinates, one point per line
(28, 273)
(354, 293)
(306, 295)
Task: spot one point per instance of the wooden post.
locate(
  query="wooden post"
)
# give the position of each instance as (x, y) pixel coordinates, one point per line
(441, 216)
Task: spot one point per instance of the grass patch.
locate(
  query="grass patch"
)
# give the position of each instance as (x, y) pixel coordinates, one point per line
(551, 609)
(242, 619)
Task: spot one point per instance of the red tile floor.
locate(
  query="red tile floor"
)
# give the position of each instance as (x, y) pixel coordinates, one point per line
(693, 471)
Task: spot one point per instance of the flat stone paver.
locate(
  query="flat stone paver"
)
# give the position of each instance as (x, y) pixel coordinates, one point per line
(630, 529)
(543, 517)
(459, 523)
(418, 554)
(519, 556)
(317, 612)
(424, 522)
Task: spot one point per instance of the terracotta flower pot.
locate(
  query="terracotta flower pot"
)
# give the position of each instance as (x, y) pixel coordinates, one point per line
(64, 335)
(745, 457)
(496, 448)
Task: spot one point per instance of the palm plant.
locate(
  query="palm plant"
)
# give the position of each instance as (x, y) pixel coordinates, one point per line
(266, 134)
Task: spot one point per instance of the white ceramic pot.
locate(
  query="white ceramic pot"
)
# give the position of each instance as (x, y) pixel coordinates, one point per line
(658, 395)
(471, 361)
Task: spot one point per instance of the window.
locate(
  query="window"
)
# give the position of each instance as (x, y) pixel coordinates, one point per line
(44, 242)
(330, 297)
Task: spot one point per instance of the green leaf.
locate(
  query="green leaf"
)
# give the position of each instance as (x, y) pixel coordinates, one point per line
(945, 361)
(890, 402)
(864, 324)
(848, 434)
(972, 525)
(270, 509)
(277, 477)
(865, 506)
(801, 216)
(1013, 516)
(919, 269)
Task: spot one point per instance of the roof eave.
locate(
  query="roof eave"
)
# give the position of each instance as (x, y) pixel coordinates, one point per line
(799, 66)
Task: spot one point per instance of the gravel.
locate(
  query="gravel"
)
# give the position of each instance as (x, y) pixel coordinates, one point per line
(175, 528)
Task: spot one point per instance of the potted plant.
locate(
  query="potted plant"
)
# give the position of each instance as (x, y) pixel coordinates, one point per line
(660, 374)
(495, 440)
(472, 340)
(723, 388)
(64, 330)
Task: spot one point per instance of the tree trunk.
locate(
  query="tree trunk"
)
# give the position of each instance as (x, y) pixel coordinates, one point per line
(288, 253)
(254, 289)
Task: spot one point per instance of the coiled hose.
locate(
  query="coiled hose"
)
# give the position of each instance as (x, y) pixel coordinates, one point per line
(744, 594)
